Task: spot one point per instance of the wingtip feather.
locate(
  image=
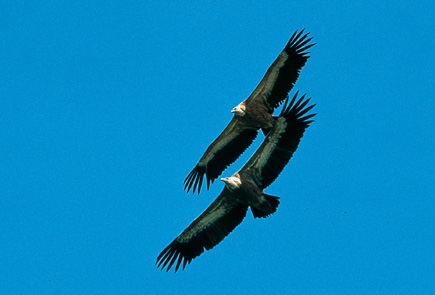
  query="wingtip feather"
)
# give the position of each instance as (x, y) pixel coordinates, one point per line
(194, 179)
(298, 107)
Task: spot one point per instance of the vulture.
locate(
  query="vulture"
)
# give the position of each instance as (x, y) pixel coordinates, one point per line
(256, 112)
(243, 189)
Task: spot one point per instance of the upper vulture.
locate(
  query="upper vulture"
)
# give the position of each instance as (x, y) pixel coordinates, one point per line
(253, 113)
(243, 189)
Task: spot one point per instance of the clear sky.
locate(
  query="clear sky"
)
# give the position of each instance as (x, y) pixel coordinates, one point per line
(106, 106)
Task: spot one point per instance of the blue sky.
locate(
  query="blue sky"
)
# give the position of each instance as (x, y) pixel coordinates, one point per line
(105, 107)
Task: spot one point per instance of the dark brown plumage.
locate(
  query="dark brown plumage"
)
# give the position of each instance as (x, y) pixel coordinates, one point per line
(244, 189)
(252, 114)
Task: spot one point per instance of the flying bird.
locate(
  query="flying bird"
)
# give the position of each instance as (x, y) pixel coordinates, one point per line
(256, 112)
(243, 189)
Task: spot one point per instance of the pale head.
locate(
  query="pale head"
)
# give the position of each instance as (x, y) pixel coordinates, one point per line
(238, 111)
(232, 182)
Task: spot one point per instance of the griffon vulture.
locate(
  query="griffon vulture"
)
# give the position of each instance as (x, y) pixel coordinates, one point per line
(253, 113)
(244, 189)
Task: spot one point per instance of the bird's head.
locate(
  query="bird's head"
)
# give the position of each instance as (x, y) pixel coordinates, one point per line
(232, 182)
(238, 111)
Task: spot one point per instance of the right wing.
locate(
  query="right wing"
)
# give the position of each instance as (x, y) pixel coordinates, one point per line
(283, 73)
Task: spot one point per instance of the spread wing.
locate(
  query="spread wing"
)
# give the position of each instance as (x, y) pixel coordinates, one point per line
(205, 232)
(280, 143)
(223, 151)
(283, 73)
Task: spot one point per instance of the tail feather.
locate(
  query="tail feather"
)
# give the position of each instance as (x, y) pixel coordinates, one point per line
(267, 208)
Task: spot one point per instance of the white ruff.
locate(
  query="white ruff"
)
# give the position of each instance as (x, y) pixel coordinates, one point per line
(232, 182)
(238, 111)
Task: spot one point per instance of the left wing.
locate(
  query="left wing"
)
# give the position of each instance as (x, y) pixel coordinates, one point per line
(280, 143)
(205, 232)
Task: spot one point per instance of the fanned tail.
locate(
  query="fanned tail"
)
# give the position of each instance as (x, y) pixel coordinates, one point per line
(267, 207)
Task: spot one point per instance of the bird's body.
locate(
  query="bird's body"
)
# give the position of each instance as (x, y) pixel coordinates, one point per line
(246, 192)
(254, 114)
